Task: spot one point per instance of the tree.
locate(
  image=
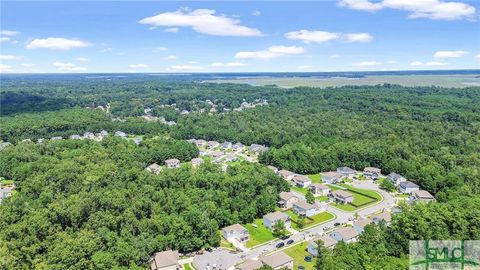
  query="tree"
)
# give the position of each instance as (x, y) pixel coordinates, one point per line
(279, 229)
(301, 222)
(321, 254)
(388, 185)
(309, 197)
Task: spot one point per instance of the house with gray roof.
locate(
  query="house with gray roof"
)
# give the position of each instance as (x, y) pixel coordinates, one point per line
(172, 163)
(154, 168)
(301, 180)
(346, 171)
(360, 224)
(396, 178)
(421, 196)
(372, 172)
(235, 232)
(346, 234)
(287, 175)
(120, 134)
(165, 260)
(256, 148)
(249, 264)
(328, 242)
(278, 260)
(196, 162)
(318, 189)
(331, 177)
(302, 208)
(385, 216)
(269, 220)
(408, 187)
(341, 196)
(287, 199)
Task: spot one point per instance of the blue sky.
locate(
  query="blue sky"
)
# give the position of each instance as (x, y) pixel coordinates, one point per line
(214, 36)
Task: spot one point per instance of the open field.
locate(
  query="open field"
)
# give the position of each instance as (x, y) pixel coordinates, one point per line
(258, 235)
(404, 80)
(298, 253)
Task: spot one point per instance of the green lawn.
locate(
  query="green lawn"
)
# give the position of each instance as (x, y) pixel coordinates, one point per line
(258, 235)
(225, 244)
(316, 219)
(7, 182)
(299, 189)
(316, 178)
(298, 253)
(321, 198)
(187, 266)
(358, 199)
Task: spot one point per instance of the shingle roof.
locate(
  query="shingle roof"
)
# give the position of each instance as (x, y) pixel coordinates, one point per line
(408, 184)
(332, 174)
(423, 194)
(164, 259)
(286, 195)
(342, 194)
(394, 176)
(235, 227)
(384, 215)
(362, 222)
(327, 241)
(249, 265)
(276, 216)
(301, 178)
(372, 169)
(320, 186)
(305, 205)
(277, 259)
(347, 233)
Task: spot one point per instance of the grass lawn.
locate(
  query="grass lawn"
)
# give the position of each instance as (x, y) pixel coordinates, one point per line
(321, 198)
(258, 235)
(7, 182)
(316, 178)
(299, 189)
(316, 219)
(402, 196)
(187, 266)
(358, 199)
(225, 244)
(298, 253)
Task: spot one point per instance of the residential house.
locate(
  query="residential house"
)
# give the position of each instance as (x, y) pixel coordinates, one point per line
(372, 172)
(120, 134)
(230, 158)
(249, 264)
(269, 220)
(3, 145)
(200, 143)
(385, 216)
(346, 234)
(319, 189)
(396, 178)
(301, 180)
(235, 232)
(346, 171)
(341, 196)
(360, 224)
(216, 154)
(57, 138)
(274, 169)
(287, 175)
(137, 140)
(328, 243)
(154, 168)
(212, 144)
(226, 145)
(421, 196)
(331, 177)
(172, 163)
(238, 146)
(75, 137)
(5, 192)
(408, 187)
(256, 148)
(196, 162)
(287, 199)
(302, 208)
(278, 260)
(165, 260)
(89, 135)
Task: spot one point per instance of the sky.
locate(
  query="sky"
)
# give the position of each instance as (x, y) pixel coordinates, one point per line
(229, 36)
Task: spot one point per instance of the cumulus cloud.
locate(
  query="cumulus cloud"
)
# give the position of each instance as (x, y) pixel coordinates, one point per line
(358, 37)
(202, 21)
(137, 66)
(318, 36)
(366, 64)
(8, 33)
(229, 64)
(449, 54)
(428, 64)
(431, 9)
(170, 57)
(270, 53)
(5, 57)
(5, 68)
(171, 30)
(81, 59)
(184, 68)
(256, 13)
(60, 66)
(54, 43)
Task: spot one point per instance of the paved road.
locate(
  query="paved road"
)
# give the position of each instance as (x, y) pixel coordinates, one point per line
(228, 260)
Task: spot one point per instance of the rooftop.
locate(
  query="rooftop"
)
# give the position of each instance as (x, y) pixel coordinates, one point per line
(164, 259)
(277, 259)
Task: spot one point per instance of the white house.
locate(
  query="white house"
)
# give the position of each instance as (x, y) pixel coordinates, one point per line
(172, 163)
(396, 178)
(346, 171)
(341, 196)
(269, 220)
(303, 208)
(165, 260)
(408, 187)
(154, 168)
(347, 235)
(318, 189)
(372, 172)
(196, 162)
(287, 175)
(385, 216)
(287, 199)
(235, 232)
(328, 242)
(360, 224)
(331, 177)
(273, 168)
(421, 196)
(301, 180)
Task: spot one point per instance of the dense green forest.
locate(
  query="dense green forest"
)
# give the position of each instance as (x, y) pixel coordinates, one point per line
(84, 204)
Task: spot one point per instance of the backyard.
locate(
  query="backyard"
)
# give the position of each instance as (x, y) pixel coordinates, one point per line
(359, 200)
(311, 221)
(258, 235)
(298, 253)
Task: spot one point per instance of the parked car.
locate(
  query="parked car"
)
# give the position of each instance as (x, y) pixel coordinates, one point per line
(336, 224)
(285, 237)
(308, 258)
(289, 242)
(301, 267)
(279, 245)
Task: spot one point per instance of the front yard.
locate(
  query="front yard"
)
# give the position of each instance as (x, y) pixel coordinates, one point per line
(311, 221)
(298, 253)
(258, 235)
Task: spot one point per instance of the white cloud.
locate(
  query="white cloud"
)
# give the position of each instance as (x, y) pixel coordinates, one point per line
(432, 9)
(312, 36)
(171, 30)
(137, 66)
(449, 54)
(170, 57)
(477, 56)
(391, 62)
(4, 39)
(5, 57)
(367, 64)
(27, 65)
(358, 37)
(305, 67)
(333, 56)
(57, 43)
(428, 64)
(229, 64)
(184, 68)
(8, 33)
(270, 53)
(5, 68)
(160, 49)
(256, 13)
(81, 59)
(60, 66)
(318, 36)
(202, 21)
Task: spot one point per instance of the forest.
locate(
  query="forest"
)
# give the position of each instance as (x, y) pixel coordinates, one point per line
(91, 205)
